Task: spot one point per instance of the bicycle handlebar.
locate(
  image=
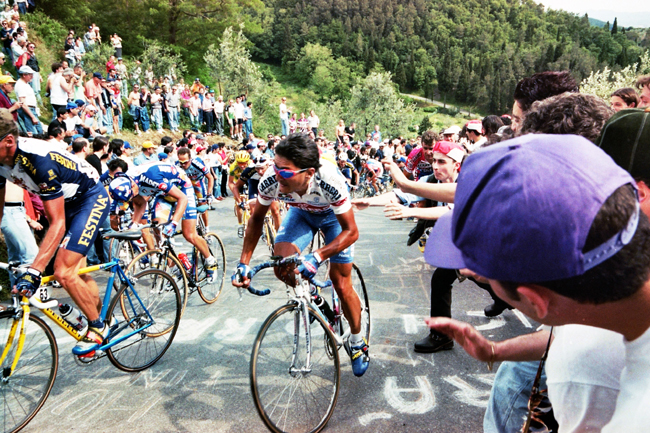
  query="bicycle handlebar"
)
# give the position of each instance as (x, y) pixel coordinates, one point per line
(280, 261)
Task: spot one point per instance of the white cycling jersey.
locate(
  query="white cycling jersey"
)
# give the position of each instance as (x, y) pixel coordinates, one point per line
(327, 190)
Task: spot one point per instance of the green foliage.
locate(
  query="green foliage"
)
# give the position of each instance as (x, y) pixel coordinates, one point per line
(51, 32)
(95, 59)
(162, 59)
(231, 66)
(375, 101)
(604, 82)
(424, 125)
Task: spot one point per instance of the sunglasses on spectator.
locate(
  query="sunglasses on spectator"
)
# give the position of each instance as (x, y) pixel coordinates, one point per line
(286, 173)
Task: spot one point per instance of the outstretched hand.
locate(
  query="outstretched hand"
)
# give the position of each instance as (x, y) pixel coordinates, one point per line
(464, 334)
(396, 211)
(360, 204)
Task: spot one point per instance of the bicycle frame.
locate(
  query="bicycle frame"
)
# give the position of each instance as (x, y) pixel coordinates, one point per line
(23, 310)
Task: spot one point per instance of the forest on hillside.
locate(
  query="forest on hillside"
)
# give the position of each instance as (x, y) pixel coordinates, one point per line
(469, 51)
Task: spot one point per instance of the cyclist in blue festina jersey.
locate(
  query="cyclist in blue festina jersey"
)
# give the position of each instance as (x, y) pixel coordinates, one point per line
(75, 204)
(198, 173)
(318, 198)
(173, 201)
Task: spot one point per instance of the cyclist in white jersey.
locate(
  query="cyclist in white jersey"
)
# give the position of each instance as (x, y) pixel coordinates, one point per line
(318, 199)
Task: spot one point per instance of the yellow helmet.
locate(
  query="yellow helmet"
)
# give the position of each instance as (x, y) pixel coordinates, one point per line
(242, 156)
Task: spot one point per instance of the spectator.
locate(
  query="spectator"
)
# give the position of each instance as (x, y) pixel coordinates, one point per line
(208, 112)
(491, 126)
(339, 131)
(59, 87)
(303, 124)
(94, 90)
(194, 105)
(314, 122)
(156, 108)
(219, 108)
(28, 113)
(173, 100)
(148, 154)
(134, 107)
(624, 98)
(376, 134)
(6, 87)
(116, 42)
(643, 84)
(284, 116)
(476, 135)
(29, 59)
(100, 147)
(58, 122)
(239, 119)
(248, 115)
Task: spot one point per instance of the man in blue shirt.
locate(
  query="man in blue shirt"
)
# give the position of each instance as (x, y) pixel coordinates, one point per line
(148, 154)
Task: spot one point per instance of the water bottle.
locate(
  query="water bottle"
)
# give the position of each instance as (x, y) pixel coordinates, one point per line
(324, 307)
(185, 261)
(73, 316)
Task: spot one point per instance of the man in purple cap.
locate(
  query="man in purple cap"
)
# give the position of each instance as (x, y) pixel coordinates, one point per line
(555, 227)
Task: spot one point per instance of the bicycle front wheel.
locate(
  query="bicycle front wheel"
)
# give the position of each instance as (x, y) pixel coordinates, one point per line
(269, 234)
(290, 395)
(209, 291)
(23, 392)
(360, 288)
(153, 312)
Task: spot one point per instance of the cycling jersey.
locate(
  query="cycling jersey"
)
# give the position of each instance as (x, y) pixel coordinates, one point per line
(375, 166)
(251, 177)
(159, 178)
(235, 170)
(417, 165)
(197, 170)
(49, 173)
(327, 190)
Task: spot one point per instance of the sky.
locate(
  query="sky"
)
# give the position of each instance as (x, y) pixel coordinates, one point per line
(629, 12)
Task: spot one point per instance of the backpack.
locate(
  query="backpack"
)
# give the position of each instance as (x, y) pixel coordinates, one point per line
(19, 63)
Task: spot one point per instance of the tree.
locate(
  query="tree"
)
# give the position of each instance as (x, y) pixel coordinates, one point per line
(425, 125)
(231, 66)
(604, 82)
(161, 58)
(374, 100)
(615, 26)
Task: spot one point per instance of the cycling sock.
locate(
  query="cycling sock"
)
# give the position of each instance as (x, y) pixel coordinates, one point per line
(210, 261)
(356, 339)
(97, 324)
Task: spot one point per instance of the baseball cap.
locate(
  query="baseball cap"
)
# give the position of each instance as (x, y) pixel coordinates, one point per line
(626, 138)
(119, 58)
(162, 156)
(200, 149)
(200, 137)
(26, 70)
(4, 79)
(453, 150)
(71, 106)
(475, 125)
(6, 121)
(453, 129)
(524, 207)
(80, 102)
(250, 147)
(196, 79)
(148, 145)
(127, 145)
(97, 75)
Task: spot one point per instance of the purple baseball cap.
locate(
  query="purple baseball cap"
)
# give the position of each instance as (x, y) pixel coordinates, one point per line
(524, 207)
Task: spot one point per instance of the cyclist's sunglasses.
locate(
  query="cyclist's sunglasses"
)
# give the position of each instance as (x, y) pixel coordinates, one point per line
(286, 174)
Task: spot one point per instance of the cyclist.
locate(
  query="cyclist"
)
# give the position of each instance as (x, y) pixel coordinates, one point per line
(318, 199)
(173, 201)
(198, 172)
(75, 204)
(242, 161)
(374, 170)
(420, 160)
(251, 177)
(346, 168)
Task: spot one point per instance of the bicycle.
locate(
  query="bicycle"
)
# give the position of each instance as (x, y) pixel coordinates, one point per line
(193, 277)
(145, 314)
(283, 370)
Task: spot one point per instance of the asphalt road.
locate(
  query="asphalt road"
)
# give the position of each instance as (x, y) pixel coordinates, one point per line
(202, 382)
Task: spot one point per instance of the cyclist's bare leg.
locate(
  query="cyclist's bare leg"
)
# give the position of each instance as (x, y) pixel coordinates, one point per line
(189, 233)
(275, 214)
(341, 276)
(81, 288)
(204, 215)
(240, 213)
(285, 273)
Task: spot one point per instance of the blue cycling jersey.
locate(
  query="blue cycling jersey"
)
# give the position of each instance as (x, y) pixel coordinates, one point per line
(158, 178)
(49, 173)
(197, 170)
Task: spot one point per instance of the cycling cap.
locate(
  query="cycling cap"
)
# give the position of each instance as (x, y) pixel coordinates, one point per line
(120, 189)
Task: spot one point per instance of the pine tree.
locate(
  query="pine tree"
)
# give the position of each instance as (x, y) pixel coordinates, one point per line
(615, 26)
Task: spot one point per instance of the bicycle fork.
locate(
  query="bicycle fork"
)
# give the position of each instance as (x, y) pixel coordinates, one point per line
(21, 316)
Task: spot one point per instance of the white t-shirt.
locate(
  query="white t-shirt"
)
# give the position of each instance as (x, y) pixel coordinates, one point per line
(314, 121)
(24, 90)
(58, 96)
(633, 404)
(583, 369)
(284, 114)
(218, 107)
(239, 111)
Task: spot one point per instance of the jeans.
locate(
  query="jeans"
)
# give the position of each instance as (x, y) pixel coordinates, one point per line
(36, 85)
(248, 126)
(218, 123)
(508, 403)
(34, 128)
(194, 120)
(22, 8)
(207, 118)
(107, 120)
(216, 189)
(285, 126)
(156, 118)
(21, 245)
(173, 118)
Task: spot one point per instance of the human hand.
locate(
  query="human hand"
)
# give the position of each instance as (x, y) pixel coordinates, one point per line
(28, 282)
(360, 203)
(466, 335)
(170, 229)
(473, 275)
(309, 266)
(396, 211)
(241, 277)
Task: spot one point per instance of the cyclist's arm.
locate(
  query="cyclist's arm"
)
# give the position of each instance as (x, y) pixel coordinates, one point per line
(349, 235)
(232, 185)
(442, 192)
(210, 182)
(55, 213)
(235, 190)
(181, 203)
(253, 232)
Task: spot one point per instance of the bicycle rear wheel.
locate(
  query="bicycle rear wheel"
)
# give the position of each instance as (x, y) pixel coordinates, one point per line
(154, 313)
(294, 399)
(163, 261)
(360, 287)
(210, 291)
(23, 392)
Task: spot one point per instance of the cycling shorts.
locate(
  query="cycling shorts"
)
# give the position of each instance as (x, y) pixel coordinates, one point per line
(163, 210)
(201, 191)
(299, 227)
(84, 217)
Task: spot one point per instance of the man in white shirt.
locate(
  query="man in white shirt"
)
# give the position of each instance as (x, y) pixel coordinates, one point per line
(284, 116)
(239, 118)
(28, 113)
(218, 113)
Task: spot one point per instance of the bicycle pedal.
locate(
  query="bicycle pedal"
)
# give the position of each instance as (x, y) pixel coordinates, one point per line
(86, 359)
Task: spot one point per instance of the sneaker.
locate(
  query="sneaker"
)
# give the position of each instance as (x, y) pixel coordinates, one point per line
(360, 358)
(240, 231)
(210, 267)
(433, 343)
(92, 340)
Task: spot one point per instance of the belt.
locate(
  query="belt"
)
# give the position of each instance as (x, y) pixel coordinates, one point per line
(173, 106)
(15, 203)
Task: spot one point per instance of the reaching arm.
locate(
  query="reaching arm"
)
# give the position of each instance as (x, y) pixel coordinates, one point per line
(443, 192)
(396, 211)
